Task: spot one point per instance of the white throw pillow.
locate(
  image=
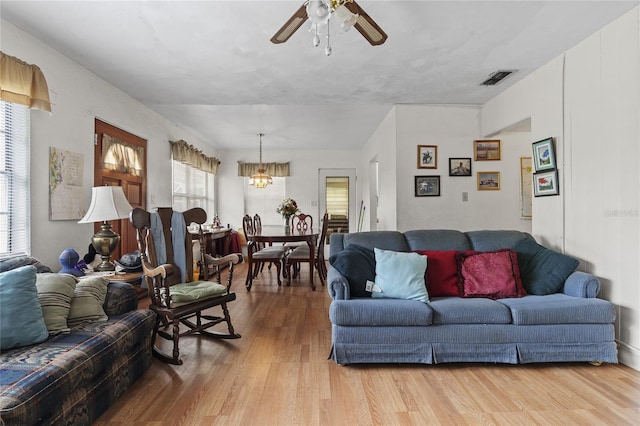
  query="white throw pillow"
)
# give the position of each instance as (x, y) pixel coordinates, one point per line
(400, 275)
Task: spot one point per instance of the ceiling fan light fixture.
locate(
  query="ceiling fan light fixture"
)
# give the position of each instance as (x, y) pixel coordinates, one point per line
(318, 11)
(346, 17)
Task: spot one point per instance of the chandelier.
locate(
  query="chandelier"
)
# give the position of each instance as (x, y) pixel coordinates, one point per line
(260, 179)
(321, 11)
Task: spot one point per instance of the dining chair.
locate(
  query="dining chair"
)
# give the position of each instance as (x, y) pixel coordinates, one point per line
(166, 251)
(301, 255)
(258, 256)
(300, 223)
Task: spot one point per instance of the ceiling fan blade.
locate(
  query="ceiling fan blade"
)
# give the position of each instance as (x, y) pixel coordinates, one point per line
(367, 26)
(291, 26)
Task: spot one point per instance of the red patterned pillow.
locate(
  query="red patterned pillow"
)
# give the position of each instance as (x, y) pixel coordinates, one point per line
(442, 272)
(494, 275)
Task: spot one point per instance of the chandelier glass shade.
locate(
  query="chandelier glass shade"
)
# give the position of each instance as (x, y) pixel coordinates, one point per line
(260, 179)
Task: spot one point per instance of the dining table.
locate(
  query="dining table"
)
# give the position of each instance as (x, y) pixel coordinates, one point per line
(270, 234)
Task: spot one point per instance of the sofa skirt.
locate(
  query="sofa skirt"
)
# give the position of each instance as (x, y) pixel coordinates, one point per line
(497, 343)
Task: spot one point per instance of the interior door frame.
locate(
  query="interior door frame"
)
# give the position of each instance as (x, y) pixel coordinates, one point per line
(323, 174)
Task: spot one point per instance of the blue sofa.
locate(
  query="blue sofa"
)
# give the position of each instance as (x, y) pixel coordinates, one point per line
(566, 326)
(73, 378)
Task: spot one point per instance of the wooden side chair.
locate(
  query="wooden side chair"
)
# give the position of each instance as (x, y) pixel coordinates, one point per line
(301, 255)
(257, 256)
(168, 269)
(300, 223)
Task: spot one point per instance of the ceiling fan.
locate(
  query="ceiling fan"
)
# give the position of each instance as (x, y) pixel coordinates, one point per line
(319, 12)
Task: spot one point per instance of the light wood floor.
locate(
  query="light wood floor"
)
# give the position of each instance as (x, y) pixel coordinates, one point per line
(278, 374)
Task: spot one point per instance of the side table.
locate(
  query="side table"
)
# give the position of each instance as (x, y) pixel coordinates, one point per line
(133, 278)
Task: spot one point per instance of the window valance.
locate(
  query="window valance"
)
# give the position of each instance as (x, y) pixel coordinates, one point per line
(188, 154)
(272, 169)
(121, 156)
(23, 83)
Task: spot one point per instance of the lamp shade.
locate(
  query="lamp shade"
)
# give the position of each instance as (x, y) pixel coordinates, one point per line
(107, 203)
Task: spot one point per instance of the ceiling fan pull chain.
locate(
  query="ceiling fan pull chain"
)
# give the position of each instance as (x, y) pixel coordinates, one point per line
(316, 37)
(328, 50)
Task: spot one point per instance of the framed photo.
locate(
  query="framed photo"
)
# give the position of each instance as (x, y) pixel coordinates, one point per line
(459, 166)
(427, 186)
(427, 157)
(486, 150)
(544, 157)
(545, 183)
(488, 181)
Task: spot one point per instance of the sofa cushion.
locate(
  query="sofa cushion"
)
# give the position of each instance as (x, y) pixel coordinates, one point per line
(22, 322)
(86, 305)
(437, 239)
(442, 272)
(543, 271)
(494, 275)
(55, 292)
(457, 310)
(385, 240)
(400, 275)
(495, 239)
(559, 309)
(358, 265)
(379, 312)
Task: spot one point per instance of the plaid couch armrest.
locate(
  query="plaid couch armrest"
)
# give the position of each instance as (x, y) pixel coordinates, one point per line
(121, 298)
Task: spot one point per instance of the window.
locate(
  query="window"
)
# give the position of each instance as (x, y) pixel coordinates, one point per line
(15, 217)
(265, 201)
(193, 188)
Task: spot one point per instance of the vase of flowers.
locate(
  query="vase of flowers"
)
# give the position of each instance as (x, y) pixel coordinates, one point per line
(287, 208)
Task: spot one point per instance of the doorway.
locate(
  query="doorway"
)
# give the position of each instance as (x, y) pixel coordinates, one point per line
(337, 197)
(120, 170)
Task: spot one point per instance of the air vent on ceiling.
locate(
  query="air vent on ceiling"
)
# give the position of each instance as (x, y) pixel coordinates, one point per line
(497, 77)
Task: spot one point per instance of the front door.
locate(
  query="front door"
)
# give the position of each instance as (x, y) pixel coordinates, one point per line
(133, 183)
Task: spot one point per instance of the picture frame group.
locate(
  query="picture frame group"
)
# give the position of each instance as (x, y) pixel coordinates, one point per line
(545, 179)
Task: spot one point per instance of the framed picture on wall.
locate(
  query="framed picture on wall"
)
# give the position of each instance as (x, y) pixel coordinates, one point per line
(488, 181)
(427, 157)
(546, 183)
(459, 166)
(544, 157)
(486, 150)
(427, 186)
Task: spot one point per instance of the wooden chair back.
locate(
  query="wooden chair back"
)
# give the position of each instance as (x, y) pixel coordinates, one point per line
(301, 222)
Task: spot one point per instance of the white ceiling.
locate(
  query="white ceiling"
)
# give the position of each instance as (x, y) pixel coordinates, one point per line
(209, 65)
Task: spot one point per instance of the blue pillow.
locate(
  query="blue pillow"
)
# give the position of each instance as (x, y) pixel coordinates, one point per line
(357, 264)
(400, 275)
(22, 322)
(543, 271)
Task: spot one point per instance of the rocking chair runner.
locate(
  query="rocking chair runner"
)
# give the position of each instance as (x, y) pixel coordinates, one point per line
(174, 300)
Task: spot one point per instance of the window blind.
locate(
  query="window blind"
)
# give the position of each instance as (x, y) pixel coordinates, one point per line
(15, 216)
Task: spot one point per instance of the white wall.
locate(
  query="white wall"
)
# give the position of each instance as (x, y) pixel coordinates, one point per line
(452, 129)
(78, 97)
(381, 147)
(589, 100)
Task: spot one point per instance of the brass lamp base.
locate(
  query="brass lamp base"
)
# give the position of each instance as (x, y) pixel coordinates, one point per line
(105, 242)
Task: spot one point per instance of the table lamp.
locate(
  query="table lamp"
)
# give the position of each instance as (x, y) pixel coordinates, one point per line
(107, 203)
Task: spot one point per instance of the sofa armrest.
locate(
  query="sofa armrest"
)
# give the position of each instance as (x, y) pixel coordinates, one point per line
(581, 284)
(121, 298)
(337, 285)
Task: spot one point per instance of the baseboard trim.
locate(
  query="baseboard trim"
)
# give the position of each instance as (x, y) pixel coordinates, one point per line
(628, 355)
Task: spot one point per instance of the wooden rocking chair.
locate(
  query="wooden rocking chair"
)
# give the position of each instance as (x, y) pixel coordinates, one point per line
(175, 297)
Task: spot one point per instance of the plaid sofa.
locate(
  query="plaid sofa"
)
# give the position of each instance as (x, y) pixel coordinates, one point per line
(73, 378)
